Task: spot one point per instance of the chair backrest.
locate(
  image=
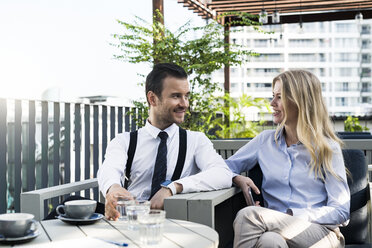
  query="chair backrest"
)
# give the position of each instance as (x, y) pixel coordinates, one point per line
(356, 232)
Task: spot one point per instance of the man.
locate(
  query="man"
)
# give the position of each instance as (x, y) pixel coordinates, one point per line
(158, 146)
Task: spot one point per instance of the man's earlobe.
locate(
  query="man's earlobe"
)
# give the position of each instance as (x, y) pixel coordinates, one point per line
(151, 98)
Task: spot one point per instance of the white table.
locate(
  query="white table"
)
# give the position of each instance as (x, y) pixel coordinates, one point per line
(177, 233)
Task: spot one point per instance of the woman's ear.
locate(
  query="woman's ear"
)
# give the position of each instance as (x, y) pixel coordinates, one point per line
(151, 98)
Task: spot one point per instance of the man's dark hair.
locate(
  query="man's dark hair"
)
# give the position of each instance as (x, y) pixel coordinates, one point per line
(155, 79)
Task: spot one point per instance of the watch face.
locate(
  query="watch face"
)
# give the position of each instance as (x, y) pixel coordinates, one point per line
(166, 183)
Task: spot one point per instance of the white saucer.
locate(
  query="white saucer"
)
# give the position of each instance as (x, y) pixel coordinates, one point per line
(93, 218)
(12, 240)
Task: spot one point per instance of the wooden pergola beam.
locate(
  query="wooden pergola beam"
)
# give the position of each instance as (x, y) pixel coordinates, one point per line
(283, 3)
(290, 7)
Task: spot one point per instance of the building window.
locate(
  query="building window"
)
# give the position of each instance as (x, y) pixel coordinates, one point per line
(259, 86)
(344, 86)
(366, 58)
(346, 42)
(366, 72)
(269, 57)
(366, 29)
(345, 27)
(366, 87)
(353, 101)
(322, 57)
(302, 43)
(321, 27)
(346, 72)
(366, 99)
(266, 71)
(301, 57)
(234, 87)
(321, 72)
(346, 57)
(261, 43)
(324, 86)
(309, 27)
(340, 101)
(366, 44)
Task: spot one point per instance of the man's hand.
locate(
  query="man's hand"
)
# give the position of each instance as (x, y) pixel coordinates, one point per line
(157, 201)
(245, 183)
(113, 194)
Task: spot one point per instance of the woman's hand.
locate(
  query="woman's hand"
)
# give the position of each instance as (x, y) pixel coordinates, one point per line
(245, 183)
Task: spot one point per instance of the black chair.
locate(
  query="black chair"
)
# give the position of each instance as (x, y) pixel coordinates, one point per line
(356, 232)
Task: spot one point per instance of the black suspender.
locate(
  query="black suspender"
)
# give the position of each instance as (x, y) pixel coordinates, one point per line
(131, 151)
(180, 161)
(181, 155)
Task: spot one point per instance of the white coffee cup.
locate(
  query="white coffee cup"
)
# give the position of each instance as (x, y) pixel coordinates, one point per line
(77, 209)
(14, 225)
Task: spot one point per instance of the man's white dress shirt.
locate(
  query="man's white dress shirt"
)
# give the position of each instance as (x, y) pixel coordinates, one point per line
(203, 170)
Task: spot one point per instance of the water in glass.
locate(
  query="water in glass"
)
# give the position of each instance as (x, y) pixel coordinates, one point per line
(133, 211)
(151, 227)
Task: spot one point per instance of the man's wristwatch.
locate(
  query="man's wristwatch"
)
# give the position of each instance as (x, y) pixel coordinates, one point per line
(169, 185)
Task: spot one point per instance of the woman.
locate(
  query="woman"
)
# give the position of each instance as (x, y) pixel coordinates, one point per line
(304, 186)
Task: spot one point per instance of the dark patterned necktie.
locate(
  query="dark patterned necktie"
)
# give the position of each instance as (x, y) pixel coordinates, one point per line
(160, 169)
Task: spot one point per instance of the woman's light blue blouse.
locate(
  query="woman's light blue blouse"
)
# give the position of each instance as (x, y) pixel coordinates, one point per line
(288, 182)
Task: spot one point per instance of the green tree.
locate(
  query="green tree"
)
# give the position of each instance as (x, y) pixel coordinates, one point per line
(352, 125)
(239, 127)
(143, 42)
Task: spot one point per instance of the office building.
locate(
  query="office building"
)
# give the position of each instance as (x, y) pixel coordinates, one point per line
(338, 52)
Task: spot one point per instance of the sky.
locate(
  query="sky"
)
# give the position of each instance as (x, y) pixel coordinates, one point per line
(62, 46)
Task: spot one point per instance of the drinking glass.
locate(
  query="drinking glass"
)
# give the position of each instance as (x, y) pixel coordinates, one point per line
(135, 210)
(122, 206)
(151, 227)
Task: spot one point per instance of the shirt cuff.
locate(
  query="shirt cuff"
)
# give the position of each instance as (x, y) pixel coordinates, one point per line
(188, 185)
(172, 187)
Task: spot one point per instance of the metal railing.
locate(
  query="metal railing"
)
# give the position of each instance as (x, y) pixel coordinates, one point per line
(45, 144)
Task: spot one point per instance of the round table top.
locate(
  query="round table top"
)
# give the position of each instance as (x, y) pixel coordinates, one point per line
(177, 233)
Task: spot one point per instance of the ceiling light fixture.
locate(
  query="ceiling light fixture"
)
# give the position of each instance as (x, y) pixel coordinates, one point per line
(263, 18)
(359, 17)
(301, 30)
(276, 15)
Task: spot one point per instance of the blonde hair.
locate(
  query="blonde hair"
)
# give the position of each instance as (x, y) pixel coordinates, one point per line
(314, 128)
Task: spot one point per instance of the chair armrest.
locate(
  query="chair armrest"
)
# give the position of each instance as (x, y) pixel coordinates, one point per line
(197, 207)
(370, 214)
(33, 201)
(216, 209)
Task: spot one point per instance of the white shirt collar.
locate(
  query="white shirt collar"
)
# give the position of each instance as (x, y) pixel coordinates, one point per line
(154, 131)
